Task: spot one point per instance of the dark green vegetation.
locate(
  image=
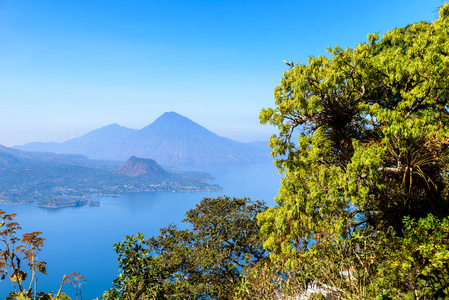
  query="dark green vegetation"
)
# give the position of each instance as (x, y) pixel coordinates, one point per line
(363, 208)
(55, 180)
(170, 140)
(204, 261)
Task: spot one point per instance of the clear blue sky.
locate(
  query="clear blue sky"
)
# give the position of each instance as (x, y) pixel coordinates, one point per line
(68, 67)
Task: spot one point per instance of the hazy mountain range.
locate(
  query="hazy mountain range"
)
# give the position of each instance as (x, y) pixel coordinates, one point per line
(170, 140)
(10, 156)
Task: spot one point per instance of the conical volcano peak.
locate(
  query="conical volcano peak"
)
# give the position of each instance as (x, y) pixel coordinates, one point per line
(171, 114)
(172, 117)
(174, 122)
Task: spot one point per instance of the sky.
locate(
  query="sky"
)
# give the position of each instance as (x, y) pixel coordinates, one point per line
(69, 67)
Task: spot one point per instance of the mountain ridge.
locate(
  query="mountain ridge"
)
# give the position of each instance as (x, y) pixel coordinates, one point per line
(172, 139)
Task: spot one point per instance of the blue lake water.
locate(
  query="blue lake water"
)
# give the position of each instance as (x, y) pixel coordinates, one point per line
(80, 239)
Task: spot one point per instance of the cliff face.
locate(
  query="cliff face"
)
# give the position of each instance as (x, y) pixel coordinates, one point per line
(144, 167)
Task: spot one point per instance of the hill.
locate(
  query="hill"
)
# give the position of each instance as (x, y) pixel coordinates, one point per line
(135, 167)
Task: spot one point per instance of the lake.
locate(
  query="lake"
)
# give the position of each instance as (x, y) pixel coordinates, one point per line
(80, 239)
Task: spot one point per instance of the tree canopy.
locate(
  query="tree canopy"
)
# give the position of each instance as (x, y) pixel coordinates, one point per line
(204, 261)
(373, 126)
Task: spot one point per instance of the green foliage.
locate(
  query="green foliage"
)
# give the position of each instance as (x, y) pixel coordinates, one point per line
(204, 261)
(139, 278)
(419, 258)
(317, 296)
(268, 280)
(15, 251)
(373, 149)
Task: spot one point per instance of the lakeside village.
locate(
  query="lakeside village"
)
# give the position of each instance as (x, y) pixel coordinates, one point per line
(63, 196)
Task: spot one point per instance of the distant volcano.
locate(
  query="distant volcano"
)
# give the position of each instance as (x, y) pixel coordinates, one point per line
(170, 140)
(141, 167)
